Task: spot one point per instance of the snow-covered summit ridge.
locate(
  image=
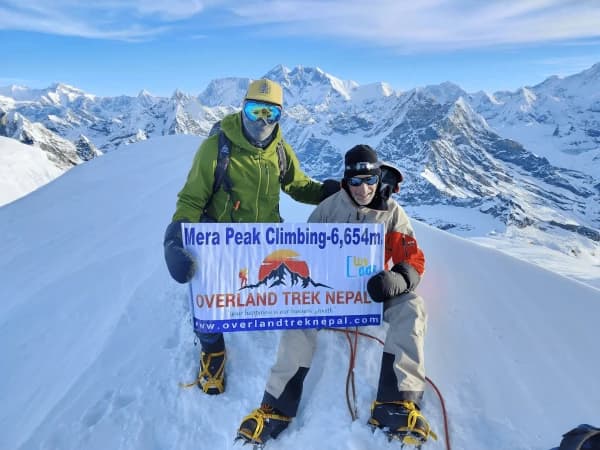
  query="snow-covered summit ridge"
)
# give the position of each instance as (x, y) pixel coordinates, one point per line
(57, 94)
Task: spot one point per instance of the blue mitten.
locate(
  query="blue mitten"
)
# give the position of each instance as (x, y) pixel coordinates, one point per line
(179, 261)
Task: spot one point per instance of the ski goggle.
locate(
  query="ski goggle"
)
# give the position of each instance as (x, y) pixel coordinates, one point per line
(259, 110)
(357, 181)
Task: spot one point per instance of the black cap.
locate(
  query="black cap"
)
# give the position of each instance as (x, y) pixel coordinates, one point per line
(361, 160)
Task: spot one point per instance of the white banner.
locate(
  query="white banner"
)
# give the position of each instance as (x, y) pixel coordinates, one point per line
(265, 276)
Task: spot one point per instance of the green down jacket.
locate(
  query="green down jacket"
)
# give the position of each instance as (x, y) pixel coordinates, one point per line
(254, 173)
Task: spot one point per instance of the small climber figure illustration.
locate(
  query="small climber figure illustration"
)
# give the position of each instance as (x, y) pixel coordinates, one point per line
(243, 277)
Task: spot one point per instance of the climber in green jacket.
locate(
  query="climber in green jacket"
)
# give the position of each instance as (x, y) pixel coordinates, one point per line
(255, 164)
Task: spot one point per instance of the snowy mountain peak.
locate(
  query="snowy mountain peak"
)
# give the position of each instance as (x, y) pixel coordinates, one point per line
(279, 72)
(86, 150)
(144, 94)
(462, 112)
(60, 151)
(145, 99)
(585, 84)
(589, 75)
(65, 89)
(385, 88)
(371, 92)
(224, 91)
(311, 82)
(16, 92)
(63, 94)
(482, 100)
(180, 96)
(446, 92)
(528, 95)
(13, 117)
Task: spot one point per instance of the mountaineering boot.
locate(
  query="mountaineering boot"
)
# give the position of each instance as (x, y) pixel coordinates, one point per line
(401, 420)
(262, 424)
(211, 377)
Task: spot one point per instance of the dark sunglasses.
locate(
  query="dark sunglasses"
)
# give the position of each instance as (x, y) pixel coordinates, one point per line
(259, 110)
(357, 181)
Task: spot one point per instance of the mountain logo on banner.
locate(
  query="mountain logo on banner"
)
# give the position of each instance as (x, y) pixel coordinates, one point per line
(282, 268)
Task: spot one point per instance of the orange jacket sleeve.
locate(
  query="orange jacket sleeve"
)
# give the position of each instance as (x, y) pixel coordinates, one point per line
(400, 247)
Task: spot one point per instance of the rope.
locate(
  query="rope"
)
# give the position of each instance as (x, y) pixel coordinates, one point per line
(444, 413)
(350, 376)
(350, 385)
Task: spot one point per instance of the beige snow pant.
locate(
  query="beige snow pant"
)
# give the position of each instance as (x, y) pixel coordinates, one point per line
(402, 373)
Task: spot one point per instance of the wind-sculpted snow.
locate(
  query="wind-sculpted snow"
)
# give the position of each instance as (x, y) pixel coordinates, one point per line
(95, 337)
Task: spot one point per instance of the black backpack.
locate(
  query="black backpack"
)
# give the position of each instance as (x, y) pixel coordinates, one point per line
(221, 177)
(584, 437)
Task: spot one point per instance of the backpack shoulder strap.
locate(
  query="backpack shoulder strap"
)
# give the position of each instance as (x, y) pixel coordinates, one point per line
(223, 154)
(220, 174)
(216, 128)
(282, 161)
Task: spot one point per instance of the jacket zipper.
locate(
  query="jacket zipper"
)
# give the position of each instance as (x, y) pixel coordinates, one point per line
(259, 187)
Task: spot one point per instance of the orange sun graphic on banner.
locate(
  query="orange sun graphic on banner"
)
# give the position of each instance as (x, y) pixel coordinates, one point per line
(279, 257)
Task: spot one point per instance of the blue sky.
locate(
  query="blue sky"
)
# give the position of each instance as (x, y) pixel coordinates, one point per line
(110, 47)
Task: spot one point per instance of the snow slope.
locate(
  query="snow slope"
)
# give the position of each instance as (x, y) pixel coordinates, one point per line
(95, 336)
(23, 168)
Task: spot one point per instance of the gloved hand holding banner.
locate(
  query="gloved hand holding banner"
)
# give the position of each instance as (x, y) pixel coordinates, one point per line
(266, 276)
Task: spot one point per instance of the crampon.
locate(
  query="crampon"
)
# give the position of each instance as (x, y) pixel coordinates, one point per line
(401, 421)
(260, 425)
(407, 440)
(211, 377)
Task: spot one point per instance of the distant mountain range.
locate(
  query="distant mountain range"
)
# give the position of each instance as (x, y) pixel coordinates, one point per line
(474, 163)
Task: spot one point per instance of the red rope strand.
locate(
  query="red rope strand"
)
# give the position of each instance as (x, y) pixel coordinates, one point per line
(350, 378)
(350, 385)
(444, 413)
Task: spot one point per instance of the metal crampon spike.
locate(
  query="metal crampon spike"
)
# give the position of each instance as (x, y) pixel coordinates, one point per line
(246, 441)
(403, 444)
(242, 439)
(415, 447)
